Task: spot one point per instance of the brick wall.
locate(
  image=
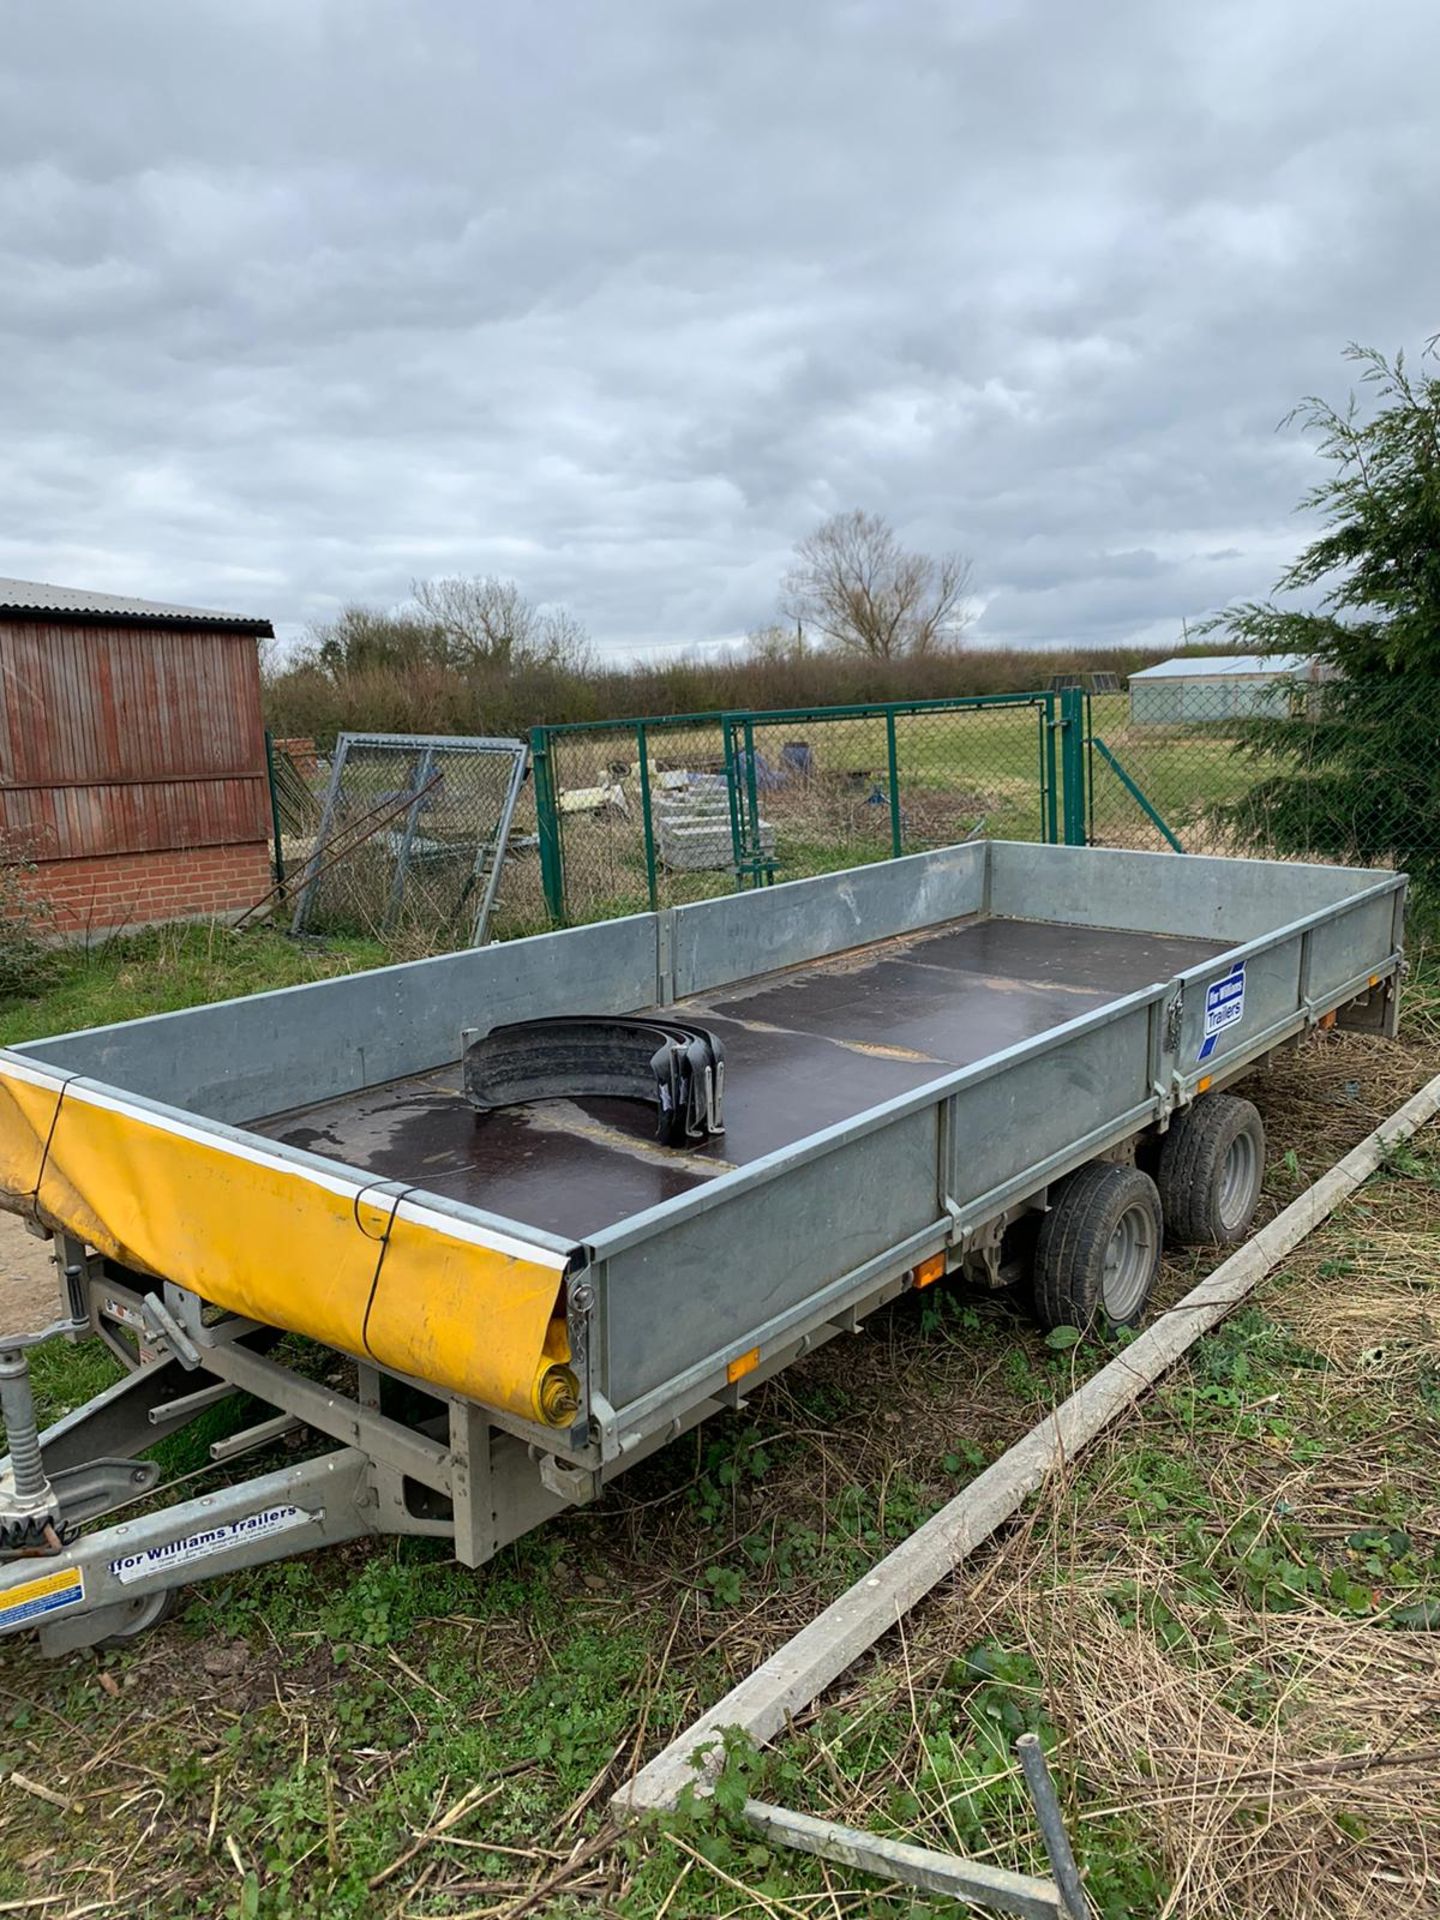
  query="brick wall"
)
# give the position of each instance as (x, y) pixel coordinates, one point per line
(137, 889)
(300, 751)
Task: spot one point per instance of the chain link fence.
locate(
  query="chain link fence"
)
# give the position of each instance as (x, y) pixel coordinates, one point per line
(640, 814)
(298, 778)
(1284, 764)
(627, 816)
(411, 838)
(1168, 762)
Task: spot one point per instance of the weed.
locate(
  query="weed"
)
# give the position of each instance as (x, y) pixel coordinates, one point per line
(725, 1586)
(1404, 1160)
(733, 1457)
(26, 961)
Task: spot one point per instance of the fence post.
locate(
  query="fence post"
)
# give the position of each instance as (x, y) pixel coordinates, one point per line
(422, 777)
(1049, 778)
(893, 763)
(547, 826)
(651, 876)
(752, 796)
(732, 794)
(275, 814)
(1072, 748)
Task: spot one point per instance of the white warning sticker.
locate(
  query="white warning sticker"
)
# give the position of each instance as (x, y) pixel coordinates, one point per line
(199, 1546)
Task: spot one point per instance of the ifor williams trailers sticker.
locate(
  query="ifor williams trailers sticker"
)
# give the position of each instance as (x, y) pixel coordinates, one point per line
(1224, 1005)
(199, 1546)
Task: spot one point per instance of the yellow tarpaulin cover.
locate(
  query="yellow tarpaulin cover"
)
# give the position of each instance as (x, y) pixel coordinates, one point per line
(292, 1246)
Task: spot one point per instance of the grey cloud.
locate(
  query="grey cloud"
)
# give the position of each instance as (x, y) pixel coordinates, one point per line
(299, 302)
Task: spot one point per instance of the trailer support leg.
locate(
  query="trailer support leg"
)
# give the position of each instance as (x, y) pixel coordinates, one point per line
(477, 1537)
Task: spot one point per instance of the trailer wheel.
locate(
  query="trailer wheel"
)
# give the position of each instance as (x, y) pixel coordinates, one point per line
(146, 1612)
(1212, 1165)
(1098, 1249)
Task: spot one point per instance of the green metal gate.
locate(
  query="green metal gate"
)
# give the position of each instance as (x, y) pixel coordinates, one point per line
(923, 748)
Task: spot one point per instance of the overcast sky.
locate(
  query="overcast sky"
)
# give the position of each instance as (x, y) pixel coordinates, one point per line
(302, 299)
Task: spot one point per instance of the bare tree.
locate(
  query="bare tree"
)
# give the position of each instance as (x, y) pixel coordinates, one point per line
(361, 638)
(858, 587)
(483, 620)
(453, 623)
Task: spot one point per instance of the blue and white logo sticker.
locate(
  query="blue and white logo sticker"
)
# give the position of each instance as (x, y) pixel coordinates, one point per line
(1224, 1005)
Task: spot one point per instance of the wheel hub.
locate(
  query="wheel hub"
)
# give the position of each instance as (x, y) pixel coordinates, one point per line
(1238, 1180)
(1129, 1262)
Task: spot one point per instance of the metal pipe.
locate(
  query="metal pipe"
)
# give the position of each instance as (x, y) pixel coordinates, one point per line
(1052, 1826)
(167, 1413)
(758, 875)
(974, 1881)
(260, 1435)
(480, 932)
(892, 763)
(1151, 812)
(547, 825)
(642, 750)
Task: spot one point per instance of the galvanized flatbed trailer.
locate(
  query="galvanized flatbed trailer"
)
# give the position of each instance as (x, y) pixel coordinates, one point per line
(973, 1058)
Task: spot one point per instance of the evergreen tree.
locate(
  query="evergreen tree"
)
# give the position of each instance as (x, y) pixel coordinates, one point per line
(1355, 763)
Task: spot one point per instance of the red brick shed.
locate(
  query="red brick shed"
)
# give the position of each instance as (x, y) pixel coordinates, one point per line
(132, 755)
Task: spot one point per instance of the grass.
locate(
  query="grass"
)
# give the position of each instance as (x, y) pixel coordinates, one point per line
(127, 976)
(1199, 1623)
(1222, 1625)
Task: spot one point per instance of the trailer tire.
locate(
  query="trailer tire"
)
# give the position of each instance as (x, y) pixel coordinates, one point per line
(146, 1612)
(1211, 1170)
(1098, 1249)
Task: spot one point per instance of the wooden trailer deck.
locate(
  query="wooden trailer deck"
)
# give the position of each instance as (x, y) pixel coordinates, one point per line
(804, 1049)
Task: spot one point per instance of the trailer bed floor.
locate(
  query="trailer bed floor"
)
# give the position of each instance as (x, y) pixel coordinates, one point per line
(804, 1049)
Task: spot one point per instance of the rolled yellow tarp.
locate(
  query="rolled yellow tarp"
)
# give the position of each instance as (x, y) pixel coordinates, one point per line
(370, 1269)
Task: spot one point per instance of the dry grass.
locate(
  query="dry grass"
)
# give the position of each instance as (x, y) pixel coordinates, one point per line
(1270, 1750)
(1329, 1804)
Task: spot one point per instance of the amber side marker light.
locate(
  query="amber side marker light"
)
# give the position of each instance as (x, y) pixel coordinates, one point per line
(742, 1364)
(929, 1271)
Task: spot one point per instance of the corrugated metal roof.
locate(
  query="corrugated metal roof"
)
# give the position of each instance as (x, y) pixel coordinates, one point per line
(1213, 666)
(32, 598)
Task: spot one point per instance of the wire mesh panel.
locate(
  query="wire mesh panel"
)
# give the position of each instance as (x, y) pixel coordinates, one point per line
(299, 777)
(412, 837)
